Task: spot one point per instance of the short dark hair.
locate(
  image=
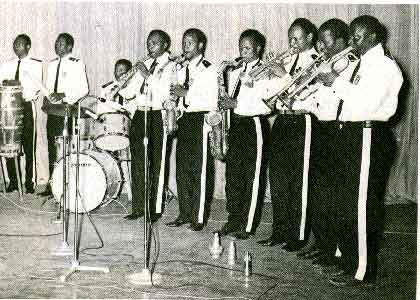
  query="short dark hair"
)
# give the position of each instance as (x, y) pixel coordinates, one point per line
(25, 38)
(307, 26)
(257, 37)
(338, 28)
(124, 62)
(165, 37)
(201, 37)
(372, 25)
(67, 36)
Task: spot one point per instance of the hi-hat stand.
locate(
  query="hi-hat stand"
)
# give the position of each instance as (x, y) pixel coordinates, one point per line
(75, 264)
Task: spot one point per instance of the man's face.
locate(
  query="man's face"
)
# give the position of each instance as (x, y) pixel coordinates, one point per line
(61, 47)
(361, 39)
(191, 47)
(155, 45)
(248, 49)
(120, 70)
(20, 47)
(299, 39)
(331, 44)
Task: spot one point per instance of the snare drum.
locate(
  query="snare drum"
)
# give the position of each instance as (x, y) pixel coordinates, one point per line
(100, 180)
(111, 132)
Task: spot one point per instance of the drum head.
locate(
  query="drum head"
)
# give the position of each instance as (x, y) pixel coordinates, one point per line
(92, 183)
(112, 142)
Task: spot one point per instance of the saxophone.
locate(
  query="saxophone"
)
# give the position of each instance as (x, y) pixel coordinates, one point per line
(219, 121)
(171, 111)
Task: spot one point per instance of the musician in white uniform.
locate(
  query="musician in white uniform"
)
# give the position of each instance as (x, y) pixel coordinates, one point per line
(364, 149)
(150, 88)
(17, 69)
(246, 160)
(290, 149)
(323, 103)
(67, 82)
(197, 89)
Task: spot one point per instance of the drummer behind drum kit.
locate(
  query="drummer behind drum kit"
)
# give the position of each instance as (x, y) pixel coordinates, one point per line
(102, 156)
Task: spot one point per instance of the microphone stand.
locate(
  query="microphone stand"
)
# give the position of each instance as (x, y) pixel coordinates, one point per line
(64, 249)
(145, 276)
(75, 264)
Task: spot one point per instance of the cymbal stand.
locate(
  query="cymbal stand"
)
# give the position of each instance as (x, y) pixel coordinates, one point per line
(75, 264)
(64, 249)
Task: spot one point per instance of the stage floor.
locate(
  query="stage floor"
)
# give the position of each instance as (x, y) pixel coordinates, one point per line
(187, 271)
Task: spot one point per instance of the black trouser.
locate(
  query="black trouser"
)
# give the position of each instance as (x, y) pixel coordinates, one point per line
(354, 212)
(195, 191)
(244, 186)
(28, 149)
(322, 192)
(286, 174)
(55, 125)
(155, 144)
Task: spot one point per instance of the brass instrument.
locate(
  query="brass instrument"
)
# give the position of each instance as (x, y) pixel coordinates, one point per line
(124, 79)
(219, 121)
(265, 69)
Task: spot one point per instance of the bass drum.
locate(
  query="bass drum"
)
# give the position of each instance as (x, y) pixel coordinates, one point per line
(100, 180)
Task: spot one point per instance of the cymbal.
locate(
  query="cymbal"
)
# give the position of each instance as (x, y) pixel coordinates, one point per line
(60, 110)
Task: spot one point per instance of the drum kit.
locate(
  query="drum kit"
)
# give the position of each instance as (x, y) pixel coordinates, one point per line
(102, 155)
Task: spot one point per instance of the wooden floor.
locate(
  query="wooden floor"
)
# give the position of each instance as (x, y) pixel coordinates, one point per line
(28, 270)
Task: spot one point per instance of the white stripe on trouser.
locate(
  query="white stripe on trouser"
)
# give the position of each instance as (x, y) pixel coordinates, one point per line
(362, 203)
(34, 168)
(338, 252)
(306, 156)
(206, 130)
(161, 181)
(256, 182)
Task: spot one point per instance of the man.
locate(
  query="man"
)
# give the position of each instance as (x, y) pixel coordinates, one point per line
(333, 35)
(365, 146)
(246, 160)
(121, 67)
(19, 69)
(290, 149)
(150, 87)
(67, 82)
(194, 164)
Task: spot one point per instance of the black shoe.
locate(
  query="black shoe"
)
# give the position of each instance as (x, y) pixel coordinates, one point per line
(241, 235)
(293, 246)
(30, 190)
(133, 216)
(11, 188)
(196, 227)
(46, 193)
(325, 260)
(177, 222)
(348, 280)
(229, 228)
(271, 241)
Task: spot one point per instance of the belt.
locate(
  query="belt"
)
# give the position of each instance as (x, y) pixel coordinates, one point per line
(146, 108)
(242, 116)
(293, 112)
(364, 124)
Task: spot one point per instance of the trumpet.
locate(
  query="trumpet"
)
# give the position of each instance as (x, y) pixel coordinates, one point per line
(124, 79)
(265, 69)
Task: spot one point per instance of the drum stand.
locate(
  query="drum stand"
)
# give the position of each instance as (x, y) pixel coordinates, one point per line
(64, 249)
(75, 264)
(18, 175)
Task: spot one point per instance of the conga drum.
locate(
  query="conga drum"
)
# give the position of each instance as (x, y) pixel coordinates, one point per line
(11, 118)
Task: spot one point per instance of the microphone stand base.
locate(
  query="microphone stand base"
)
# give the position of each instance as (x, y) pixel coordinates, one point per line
(62, 250)
(144, 278)
(75, 267)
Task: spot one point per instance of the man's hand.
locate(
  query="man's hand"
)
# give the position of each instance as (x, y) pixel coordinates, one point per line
(327, 78)
(56, 98)
(178, 90)
(227, 103)
(143, 69)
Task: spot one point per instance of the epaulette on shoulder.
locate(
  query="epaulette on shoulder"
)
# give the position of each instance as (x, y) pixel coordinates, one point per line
(387, 53)
(106, 84)
(74, 59)
(259, 64)
(314, 56)
(351, 57)
(206, 63)
(36, 59)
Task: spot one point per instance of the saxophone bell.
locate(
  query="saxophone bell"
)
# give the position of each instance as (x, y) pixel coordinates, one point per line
(170, 120)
